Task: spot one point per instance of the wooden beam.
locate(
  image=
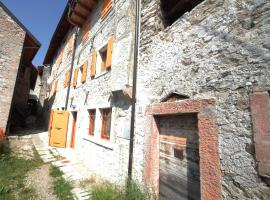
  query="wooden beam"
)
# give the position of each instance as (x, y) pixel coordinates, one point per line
(75, 23)
(84, 6)
(79, 14)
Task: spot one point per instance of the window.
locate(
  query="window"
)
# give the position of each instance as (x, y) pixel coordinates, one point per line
(174, 9)
(106, 123)
(103, 56)
(106, 7)
(102, 59)
(80, 73)
(92, 117)
(67, 76)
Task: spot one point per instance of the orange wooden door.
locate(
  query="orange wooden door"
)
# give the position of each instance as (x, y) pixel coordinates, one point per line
(58, 134)
(73, 133)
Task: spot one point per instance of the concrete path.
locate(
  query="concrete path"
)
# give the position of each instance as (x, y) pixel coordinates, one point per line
(65, 159)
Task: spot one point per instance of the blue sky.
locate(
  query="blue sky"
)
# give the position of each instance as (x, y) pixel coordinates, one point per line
(40, 17)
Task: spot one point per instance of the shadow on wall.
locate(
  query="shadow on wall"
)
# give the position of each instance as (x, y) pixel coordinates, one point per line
(43, 118)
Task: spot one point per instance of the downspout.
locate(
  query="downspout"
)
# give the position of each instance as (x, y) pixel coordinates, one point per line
(134, 88)
(71, 69)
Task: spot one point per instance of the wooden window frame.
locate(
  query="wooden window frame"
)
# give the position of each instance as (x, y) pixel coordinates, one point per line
(103, 56)
(103, 127)
(92, 119)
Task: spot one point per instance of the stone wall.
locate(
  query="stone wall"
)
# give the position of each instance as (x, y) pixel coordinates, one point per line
(11, 40)
(107, 160)
(218, 50)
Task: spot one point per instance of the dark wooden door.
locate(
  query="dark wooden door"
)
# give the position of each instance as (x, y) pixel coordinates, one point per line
(179, 158)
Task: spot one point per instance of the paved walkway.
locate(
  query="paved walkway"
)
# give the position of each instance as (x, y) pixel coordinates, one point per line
(65, 159)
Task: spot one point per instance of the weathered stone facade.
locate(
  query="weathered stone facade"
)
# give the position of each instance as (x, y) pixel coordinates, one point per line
(11, 39)
(107, 159)
(218, 50)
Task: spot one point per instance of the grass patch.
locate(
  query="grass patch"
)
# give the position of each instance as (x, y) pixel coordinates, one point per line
(109, 191)
(13, 170)
(62, 188)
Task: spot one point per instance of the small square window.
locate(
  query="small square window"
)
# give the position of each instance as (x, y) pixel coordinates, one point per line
(106, 123)
(92, 117)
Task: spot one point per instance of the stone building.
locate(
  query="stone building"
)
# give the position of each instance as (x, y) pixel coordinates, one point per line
(90, 56)
(18, 48)
(202, 112)
(201, 128)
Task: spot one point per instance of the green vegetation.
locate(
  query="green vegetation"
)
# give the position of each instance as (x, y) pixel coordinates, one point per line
(62, 188)
(12, 173)
(111, 192)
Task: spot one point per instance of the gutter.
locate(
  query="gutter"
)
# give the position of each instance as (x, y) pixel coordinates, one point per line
(72, 66)
(134, 88)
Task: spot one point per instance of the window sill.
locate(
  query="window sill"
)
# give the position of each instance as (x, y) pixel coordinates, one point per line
(101, 74)
(100, 142)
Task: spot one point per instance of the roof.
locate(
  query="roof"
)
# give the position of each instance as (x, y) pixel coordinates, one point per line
(59, 34)
(20, 24)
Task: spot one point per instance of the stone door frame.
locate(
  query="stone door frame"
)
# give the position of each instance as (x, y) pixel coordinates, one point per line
(210, 171)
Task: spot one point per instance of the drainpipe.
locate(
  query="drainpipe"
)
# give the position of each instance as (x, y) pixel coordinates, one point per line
(72, 65)
(134, 88)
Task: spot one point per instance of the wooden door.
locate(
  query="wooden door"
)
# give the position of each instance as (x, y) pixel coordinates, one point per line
(73, 133)
(59, 127)
(179, 158)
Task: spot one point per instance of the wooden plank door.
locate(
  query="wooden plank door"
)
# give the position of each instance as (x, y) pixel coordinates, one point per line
(179, 158)
(73, 133)
(59, 127)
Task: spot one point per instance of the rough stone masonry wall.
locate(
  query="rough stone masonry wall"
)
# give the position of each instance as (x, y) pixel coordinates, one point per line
(107, 160)
(220, 49)
(11, 40)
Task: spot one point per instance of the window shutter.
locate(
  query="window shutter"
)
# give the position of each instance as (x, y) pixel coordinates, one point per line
(75, 78)
(106, 6)
(94, 62)
(84, 73)
(65, 80)
(67, 76)
(109, 53)
(70, 45)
